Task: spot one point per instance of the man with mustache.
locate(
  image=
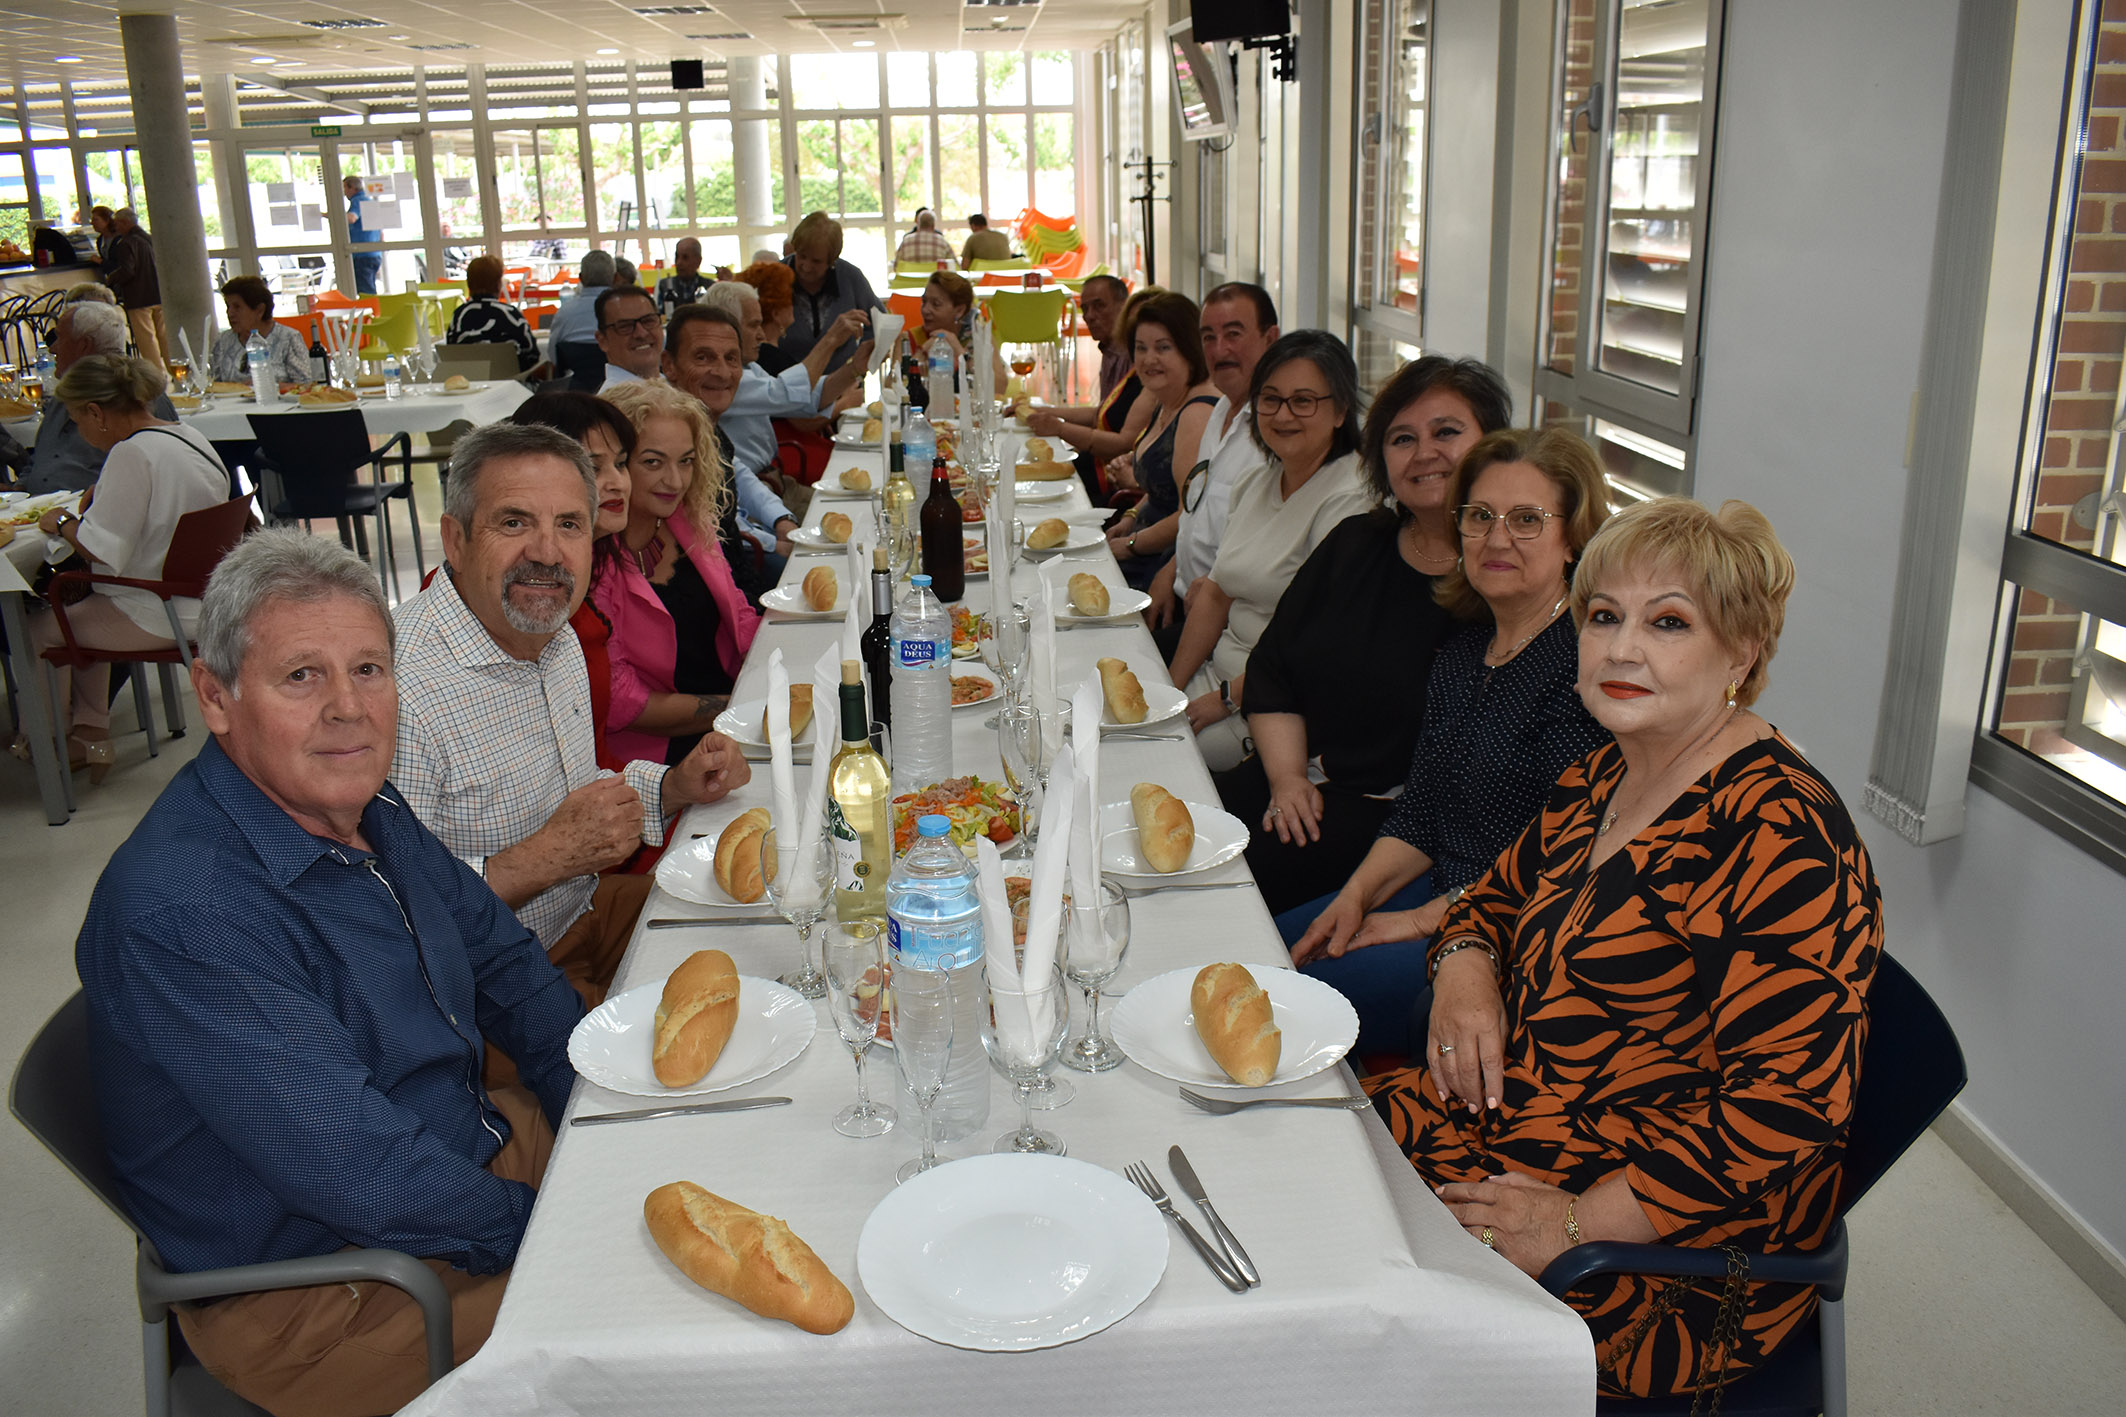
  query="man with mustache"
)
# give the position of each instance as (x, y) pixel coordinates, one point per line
(631, 333)
(495, 748)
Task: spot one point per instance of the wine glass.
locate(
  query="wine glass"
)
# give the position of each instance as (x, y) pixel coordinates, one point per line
(1050, 1092)
(1001, 640)
(1023, 742)
(801, 888)
(1021, 1032)
(1099, 936)
(854, 953)
(922, 1047)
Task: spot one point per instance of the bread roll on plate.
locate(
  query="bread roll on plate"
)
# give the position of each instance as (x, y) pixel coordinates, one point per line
(836, 528)
(800, 714)
(1165, 831)
(1235, 1022)
(874, 429)
(856, 479)
(744, 1255)
(737, 866)
(1038, 450)
(457, 384)
(1088, 595)
(695, 1018)
(820, 588)
(1124, 695)
(1052, 532)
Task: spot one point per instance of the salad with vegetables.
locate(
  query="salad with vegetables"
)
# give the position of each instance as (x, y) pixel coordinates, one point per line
(974, 807)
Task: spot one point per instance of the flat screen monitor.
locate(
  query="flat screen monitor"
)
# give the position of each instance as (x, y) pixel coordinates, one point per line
(1203, 86)
(1217, 20)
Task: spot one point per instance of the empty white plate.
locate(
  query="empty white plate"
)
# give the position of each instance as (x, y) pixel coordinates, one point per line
(611, 1046)
(1220, 837)
(1010, 1253)
(1155, 1026)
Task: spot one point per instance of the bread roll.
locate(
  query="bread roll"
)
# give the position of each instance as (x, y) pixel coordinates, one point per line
(800, 713)
(1165, 831)
(856, 479)
(1235, 1022)
(1088, 594)
(737, 867)
(1052, 532)
(1038, 450)
(457, 383)
(836, 528)
(1045, 471)
(875, 408)
(820, 588)
(874, 429)
(744, 1255)
(695, 1018)
(1124, 694)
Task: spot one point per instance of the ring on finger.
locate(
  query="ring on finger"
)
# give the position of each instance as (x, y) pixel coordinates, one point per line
(1487, 1237)
(1445, 1049)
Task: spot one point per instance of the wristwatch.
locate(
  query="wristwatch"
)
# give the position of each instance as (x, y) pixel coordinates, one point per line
(1225, 696)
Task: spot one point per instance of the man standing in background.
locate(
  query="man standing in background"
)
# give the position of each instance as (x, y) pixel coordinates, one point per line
(130, 272)
(684, 285)
(367, 264)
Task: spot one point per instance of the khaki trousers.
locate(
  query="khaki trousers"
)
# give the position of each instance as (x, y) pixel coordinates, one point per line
(355, 1350)
(150, 336)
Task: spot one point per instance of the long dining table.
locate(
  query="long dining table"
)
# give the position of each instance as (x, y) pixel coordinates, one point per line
(1372, 1299)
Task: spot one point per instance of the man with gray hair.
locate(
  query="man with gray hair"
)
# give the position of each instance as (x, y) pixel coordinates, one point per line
(130, 272)
(62, 460)
(286, 1033)
(576, 322)
(496, 751)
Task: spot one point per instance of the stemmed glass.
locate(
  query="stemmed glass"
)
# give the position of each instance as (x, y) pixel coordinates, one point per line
(423, 363)
(855, 959)
(1050, 1091)
(922, 1047)
(1001, 640)
(1098, 939)
(801, 897)
(1022, 1031)
(1023, 742)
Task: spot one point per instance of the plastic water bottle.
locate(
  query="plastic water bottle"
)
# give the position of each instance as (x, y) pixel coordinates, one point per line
(941, 380)
(921, 692)
(393, 387)
(934, 921)
(263, 388)
(919, 441)
(47, 373)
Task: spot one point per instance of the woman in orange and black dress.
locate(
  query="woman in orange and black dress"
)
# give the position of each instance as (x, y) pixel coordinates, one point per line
(1648, 1016)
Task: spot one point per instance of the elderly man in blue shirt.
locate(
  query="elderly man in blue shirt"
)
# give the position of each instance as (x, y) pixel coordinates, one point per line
(289, 981)
(804, 390)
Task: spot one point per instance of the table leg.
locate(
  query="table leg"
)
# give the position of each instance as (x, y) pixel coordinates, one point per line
(35, 707)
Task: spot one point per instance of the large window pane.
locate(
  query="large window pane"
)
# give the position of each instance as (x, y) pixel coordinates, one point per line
(715, 193)
(458, 170)
(561, 176)
(289, 204)
(959, 168)
(1055, 177)
(55, 182)
(613, 176)
(908, 80)
(14, 201)
(107, 179)
(1004, 77)
(203, 178)
(1054, 80)
(859, 148)
(818, 166)
(911, 167)
(664, 176)
(2063, 693)
(1006, 155)
(834, 81)
(956, 80)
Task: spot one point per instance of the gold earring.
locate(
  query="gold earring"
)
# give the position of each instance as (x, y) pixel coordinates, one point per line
(1732, 687)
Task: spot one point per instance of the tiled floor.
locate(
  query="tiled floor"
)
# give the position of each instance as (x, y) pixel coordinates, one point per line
(1954, 1307)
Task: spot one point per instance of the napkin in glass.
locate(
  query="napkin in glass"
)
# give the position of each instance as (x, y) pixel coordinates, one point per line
(1042, 690)
(1088, 941)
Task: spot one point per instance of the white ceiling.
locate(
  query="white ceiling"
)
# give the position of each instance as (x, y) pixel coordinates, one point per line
(229, 38)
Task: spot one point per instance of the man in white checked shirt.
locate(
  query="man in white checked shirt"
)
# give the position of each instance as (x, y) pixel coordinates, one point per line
(496, 752)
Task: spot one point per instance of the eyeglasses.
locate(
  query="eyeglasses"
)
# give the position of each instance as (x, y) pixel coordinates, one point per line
(648, 324)
(1194, 485)
(1302, 405)
(1524, 523)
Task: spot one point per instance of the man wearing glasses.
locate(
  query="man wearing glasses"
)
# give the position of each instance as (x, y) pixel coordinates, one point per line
(631, 333)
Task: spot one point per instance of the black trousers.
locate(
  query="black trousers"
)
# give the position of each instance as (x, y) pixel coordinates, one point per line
(1293, 875)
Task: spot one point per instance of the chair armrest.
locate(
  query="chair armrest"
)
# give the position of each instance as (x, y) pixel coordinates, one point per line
(401, 441)
(1823, 1268)
(164, 589)
(159, 1288)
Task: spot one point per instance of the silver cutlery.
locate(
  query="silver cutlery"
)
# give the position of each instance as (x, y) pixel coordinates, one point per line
(1134, 891)
(1222, 1106)
(707, 922)
(1193, 1189)
(1141, 1177)
(690, 1109)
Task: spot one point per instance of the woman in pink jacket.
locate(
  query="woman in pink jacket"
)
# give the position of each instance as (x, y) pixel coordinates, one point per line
(681, 626)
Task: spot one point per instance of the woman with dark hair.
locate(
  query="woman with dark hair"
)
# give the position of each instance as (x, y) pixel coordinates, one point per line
(486, 318)
(1503, 718)
(948, 310)
(1102, 434)
(1304, 414)
(608, 436)
(1356, 630)
(1168, 341)
(248, 302)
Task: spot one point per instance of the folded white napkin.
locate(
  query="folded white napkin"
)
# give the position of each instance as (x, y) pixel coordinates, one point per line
(998, 954)
(1088, 942)
(1042, 660)
(858, 575)
(1025, 1032)
(782, 776)
(885, 329)
(826, 736)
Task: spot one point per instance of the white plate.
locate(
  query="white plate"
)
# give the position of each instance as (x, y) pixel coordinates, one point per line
(1122, 602)
(790, 600)
(831, 487)
(973, 669)
(688, 871)
(741, 723)
(1042, 491)
(1162, 701)
(1155, 1027)
(1005, 1254)
(815, 539)
(1220, 837)
(611, 1046)
(1081, 538)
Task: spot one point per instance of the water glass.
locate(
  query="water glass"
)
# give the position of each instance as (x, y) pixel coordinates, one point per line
(802, 887)
(1024, 1027)
(922, 1048)
(854, 953)
(1023, 744)
(1099, 937)
(1051, 1091)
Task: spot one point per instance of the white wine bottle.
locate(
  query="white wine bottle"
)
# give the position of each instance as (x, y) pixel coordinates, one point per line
(859, 810)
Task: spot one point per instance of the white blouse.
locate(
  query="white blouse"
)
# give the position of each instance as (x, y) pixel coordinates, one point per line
(1268, 537)
(149, 481)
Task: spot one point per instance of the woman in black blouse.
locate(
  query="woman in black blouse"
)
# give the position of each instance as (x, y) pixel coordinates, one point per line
(1502, 720)
(486, 318)
(1168, 339)
(1336, 683)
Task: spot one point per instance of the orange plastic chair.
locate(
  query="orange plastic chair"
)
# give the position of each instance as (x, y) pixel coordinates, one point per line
(1033, 217)
(333, 300)
(1067, 266)
(304, 325)
(909, 308)
(537, 315)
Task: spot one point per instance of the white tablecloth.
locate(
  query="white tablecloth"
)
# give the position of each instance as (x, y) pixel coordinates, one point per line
(230, 418)
(1373, 1300)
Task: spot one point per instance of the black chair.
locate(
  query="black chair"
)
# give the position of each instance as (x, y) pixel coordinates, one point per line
(53, 1099)
(1910, 1070)
(317, 457)
(583, 363)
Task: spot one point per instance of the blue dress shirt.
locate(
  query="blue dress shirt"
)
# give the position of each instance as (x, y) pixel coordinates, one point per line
(575, 320)
(286, 1032)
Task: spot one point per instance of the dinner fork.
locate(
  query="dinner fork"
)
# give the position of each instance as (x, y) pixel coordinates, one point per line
(1221, 1106)
(1142, 1178)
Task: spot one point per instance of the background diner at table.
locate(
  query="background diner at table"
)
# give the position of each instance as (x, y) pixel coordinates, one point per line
(1166, 332)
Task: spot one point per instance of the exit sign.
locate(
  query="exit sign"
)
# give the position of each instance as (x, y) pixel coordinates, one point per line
(324, 130)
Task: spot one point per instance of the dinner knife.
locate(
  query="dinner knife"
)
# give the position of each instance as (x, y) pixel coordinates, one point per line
(1193, 1189)
(710, 921)
(729, 1104)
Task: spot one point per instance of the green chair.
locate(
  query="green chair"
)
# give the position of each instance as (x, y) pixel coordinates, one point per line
(393, 332)
(1027, 316)
(1016, 263)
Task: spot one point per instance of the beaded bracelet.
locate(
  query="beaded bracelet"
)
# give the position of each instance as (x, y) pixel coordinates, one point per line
(1467, 942)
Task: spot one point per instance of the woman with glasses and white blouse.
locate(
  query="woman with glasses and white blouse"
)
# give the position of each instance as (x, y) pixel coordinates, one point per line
(1502, 719)
(1304, 414)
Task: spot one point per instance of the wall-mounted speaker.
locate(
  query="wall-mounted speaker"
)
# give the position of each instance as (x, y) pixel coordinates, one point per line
(686, 74)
